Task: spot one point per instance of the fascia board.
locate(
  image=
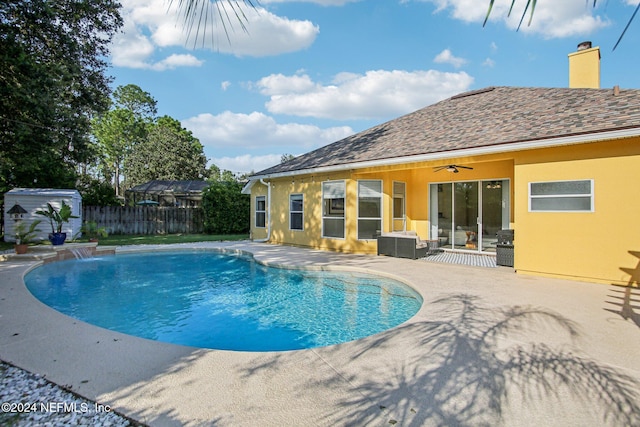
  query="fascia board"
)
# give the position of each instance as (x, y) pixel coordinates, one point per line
(476, 151)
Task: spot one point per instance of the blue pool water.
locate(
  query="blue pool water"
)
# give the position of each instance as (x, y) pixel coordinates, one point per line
(212, 300)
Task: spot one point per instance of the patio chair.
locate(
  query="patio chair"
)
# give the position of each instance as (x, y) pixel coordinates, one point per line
(405, 244)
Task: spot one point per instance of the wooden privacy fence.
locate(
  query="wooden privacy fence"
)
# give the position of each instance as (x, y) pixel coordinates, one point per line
(146, 219)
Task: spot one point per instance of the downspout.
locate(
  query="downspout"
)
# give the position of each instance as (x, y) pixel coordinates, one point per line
(266, 239)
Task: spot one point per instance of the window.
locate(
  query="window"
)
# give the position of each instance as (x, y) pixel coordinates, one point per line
(561, 196)
(399, 219)
(296, 212)
(369, 209)
(333, 194)
(398, 200)
(261, 211)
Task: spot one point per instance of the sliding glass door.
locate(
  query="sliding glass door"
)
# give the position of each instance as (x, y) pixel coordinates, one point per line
(467, 215)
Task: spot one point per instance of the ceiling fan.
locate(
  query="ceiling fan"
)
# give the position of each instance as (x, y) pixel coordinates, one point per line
(451, 168)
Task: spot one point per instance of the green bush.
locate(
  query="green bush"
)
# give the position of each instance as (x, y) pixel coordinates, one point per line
(226, 209)
(97, 193)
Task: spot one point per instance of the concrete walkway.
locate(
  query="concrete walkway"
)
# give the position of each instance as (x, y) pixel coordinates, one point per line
(488, 347)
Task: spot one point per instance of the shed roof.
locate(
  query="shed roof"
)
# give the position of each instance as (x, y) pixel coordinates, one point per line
(46, 192)
(169, 186)
(498, 117)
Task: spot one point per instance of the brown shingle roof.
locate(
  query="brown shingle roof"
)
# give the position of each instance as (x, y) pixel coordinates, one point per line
(486, 117)
(170, 186)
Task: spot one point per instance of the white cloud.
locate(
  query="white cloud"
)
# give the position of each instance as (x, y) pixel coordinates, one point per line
(246, 163)
(279, 84)
(130, 48)
(320, 2)
(257, 132)
(377, 94)
(175, 61)
(446, 57)
(551, 19)
(489, 63)
(150, 24)
(225, 85)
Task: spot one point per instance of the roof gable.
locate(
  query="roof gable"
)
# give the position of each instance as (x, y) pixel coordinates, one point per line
(493, 116)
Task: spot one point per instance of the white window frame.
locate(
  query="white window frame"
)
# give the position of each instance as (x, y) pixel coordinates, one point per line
(402, 196)
(263, 212)
(590, 196)
(300, 212)
(333, 186)
(380, 194)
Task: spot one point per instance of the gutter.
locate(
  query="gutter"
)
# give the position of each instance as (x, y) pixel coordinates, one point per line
(268, 219)
(476, 151)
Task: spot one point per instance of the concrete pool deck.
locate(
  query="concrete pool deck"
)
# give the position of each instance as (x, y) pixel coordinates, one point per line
(488, 347)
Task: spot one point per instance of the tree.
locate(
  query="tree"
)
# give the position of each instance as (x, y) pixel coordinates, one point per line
(169, 152)
(96, 192)
(286, 157)
(133, 98)
(52, 81)
(118, 131)
(226, 209)
(215, 174)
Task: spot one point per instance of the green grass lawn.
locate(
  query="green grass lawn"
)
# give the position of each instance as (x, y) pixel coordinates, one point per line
(158, 239)
(155, 239)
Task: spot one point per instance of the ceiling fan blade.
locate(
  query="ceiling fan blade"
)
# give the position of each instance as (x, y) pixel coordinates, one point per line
(450, 168)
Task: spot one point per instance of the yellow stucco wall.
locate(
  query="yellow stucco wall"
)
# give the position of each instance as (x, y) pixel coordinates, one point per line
(599, 246)
(257, 233)
(584, 68)
(311, 235)
(416, 177)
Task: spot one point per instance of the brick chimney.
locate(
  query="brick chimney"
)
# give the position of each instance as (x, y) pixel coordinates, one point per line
(584, 67)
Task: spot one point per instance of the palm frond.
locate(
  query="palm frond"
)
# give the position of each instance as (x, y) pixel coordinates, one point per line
(531, 3)
(486, 18)
(531, 6)
(197, 15)
(627, 26)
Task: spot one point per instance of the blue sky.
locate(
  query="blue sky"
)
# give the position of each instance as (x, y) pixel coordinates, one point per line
(311, 72)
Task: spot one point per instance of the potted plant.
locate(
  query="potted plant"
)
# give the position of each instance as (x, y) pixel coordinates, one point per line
(25, 235)
(91, 230)
(57, 218)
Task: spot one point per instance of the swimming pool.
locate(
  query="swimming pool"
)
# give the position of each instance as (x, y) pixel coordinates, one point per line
(213, 300)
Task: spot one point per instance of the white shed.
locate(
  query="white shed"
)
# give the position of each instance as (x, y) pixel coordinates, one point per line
(35, 199)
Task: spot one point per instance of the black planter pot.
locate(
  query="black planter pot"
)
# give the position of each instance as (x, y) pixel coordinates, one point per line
(57, 239)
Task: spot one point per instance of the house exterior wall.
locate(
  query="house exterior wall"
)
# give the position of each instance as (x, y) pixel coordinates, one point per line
(596, 246)
(416, 176)
(258, 233)
(599, 246)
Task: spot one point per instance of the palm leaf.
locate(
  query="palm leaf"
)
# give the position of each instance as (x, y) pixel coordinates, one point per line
(531, 6)
(197, 14)
(627, 26)
(486, 18)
